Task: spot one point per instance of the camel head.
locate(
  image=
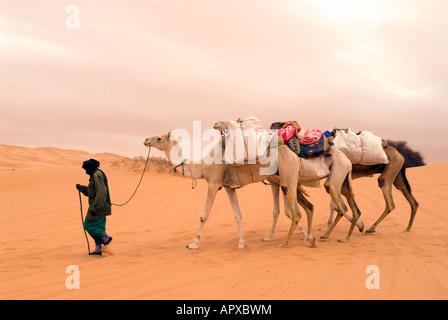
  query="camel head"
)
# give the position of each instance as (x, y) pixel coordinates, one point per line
(226, 124)
(161, 142)
(220, 125)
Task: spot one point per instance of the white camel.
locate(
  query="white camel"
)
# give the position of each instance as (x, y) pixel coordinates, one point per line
(214, 174)
(338, 182)
(337, 169)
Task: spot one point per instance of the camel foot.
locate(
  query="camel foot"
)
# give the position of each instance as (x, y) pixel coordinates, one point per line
(343, 240)
(192, 246)
(324, 237)
(371, 230)
(267, 239)
(405, 231)
(284, 245)
(313, 243)
(361, 229)
(242, 246)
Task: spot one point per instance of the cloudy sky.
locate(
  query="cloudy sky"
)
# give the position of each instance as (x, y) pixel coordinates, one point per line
(137, 68)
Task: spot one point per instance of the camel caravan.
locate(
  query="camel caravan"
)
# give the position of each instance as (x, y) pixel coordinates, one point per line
(290, 158)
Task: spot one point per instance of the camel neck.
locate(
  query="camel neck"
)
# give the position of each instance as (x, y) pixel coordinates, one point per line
(182, 164)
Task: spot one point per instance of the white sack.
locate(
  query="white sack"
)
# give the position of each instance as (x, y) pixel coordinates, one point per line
(248, 146)
(365, 148)
(250, 122)
(245, 141)
(372, 149)
(312, 170)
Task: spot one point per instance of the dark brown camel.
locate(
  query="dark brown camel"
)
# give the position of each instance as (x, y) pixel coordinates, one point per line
(392, 173)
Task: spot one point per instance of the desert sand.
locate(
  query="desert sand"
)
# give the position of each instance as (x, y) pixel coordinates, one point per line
(41, 235)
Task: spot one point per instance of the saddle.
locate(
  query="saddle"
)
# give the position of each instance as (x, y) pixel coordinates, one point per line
(321, 148)
(304, 143)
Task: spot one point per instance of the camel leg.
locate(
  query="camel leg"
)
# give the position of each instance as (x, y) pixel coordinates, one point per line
(414, 207)
(333, 208)
(402, 184)
(302, 201)
(386, 188)
(211, 194)
(289, 214)
(306, 235)
(231, 193)
(275, 187)
(291, 196)
(330, 218)
(294, 221)
(346, 191)
(333, 186)
(276, 211)
(309, 209)
(352, 203)
(385, 181)
(288, 169)
(340, 208)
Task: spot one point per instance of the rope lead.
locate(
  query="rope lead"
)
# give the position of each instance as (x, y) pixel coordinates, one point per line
(141, 178)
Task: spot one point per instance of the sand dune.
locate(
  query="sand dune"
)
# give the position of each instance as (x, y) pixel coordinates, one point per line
(41, 234)
(22, 157)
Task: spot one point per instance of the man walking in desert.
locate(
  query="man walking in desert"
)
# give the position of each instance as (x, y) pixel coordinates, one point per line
(99, 205)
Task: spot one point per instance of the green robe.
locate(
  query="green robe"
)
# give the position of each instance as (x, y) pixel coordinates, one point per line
(99, 198)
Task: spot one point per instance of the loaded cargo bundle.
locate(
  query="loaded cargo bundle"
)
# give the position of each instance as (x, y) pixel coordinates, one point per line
(244, 140)
(362, 148)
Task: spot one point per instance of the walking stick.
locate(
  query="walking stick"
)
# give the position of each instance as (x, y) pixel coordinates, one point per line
(82, 219)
